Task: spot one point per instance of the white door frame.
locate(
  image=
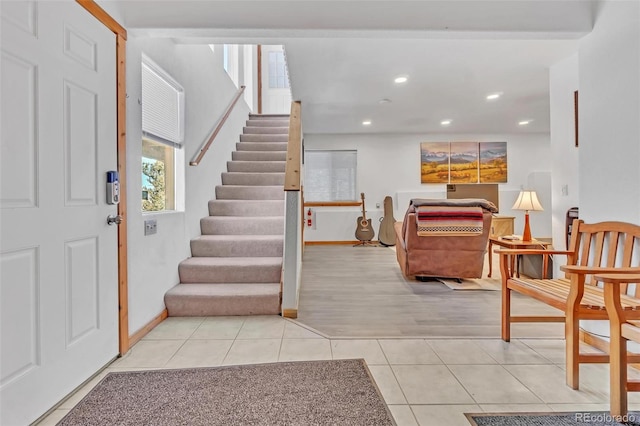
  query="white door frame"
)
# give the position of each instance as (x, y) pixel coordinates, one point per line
(121, 39)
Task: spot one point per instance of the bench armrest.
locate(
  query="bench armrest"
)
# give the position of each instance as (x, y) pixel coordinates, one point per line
(584, 270)
(531, 251)
(617, 278)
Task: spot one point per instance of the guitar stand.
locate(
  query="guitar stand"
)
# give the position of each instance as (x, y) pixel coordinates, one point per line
(366, 243)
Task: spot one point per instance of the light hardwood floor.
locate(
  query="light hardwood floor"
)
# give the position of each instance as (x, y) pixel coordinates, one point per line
(360, 292)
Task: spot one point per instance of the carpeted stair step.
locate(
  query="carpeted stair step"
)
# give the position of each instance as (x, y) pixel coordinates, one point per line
(237, 246)
(230, 270)
(203, 299)
(259, 155)
(268, 123)
(256, 166)
(265, 130)
(236, 225)
(261, 146)
(264, 138)
(246, 208)
(242, 192)
(257, 179)
(269, 117)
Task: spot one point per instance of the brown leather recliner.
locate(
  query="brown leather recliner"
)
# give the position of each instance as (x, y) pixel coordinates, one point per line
(442, 256)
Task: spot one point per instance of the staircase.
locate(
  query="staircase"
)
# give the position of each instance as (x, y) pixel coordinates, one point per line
(236, 263)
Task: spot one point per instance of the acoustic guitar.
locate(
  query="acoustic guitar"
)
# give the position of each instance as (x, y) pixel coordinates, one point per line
(386, 233)
(364, 229)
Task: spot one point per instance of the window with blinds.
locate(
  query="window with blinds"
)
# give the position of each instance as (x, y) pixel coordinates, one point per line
(162, 104)
(330, 175)
(278, 78)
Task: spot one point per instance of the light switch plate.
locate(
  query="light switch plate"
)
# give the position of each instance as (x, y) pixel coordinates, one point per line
(150, 227)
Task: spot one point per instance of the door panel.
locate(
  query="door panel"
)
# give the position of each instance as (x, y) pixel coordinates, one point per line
(81, 273)
(21, 14)
(18, 162)
(59, 287)
(19, 301)
(80, 148)
(80, 47)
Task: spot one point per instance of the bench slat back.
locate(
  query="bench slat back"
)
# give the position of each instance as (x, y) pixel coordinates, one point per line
(592, 242)
(627, 255)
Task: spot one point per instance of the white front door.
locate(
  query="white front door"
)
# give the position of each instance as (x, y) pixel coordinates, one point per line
(58, 256)
(276, 94)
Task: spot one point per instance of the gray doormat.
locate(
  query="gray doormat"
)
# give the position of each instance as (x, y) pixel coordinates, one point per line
(599, 418)
(340, 392)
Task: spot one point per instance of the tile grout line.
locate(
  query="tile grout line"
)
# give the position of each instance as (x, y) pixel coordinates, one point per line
(522, 383)
(534, 349)
(235, 338)
(183, 343)
(233, 342)
(284, 326)
(434, 351)
(393, 373)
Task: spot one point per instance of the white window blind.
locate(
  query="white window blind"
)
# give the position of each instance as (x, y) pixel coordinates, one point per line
(278, 78)
(330, 175)
(162, 104)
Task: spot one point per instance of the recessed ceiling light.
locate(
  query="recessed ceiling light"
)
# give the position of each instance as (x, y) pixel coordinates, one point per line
(493, 96)
(524, 122)
(445, 122)
(366, 123)
(401, 79)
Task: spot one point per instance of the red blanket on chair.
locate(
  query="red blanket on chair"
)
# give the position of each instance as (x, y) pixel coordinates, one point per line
(449, 220)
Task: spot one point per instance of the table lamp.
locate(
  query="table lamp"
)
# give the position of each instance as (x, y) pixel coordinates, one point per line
(527, 200)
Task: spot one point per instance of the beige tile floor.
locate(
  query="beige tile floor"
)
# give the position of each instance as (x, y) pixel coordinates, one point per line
(423, 381)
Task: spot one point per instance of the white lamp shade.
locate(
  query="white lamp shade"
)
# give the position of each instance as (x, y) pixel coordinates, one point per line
(527, 200)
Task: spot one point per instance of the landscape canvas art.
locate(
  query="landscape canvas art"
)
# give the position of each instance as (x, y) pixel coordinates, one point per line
(493, 162)
(463, 162)
(434, 162)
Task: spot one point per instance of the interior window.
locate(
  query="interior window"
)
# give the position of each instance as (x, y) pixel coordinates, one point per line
(330, 175)
(278, 78)
(158, 176)
(163, 134)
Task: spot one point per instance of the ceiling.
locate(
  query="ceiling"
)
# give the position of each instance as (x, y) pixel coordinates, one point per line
(344, 55)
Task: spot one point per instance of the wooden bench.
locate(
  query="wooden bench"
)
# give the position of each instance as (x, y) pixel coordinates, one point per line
(605, 247)
(622, 329)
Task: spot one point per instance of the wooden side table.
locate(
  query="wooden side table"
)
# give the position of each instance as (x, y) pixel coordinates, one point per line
(513, 244)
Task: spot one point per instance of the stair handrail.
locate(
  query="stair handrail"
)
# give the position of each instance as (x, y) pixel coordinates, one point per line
(292, 175)
(221, 122)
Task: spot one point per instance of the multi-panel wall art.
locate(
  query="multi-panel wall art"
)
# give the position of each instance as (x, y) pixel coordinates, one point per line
(463, 162)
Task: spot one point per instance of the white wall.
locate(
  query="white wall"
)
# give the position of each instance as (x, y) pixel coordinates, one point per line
(113, 8)
(609, 153)
(249, 74)
(390, 165)
(563, 81)
(153, 260)
(609, 120)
